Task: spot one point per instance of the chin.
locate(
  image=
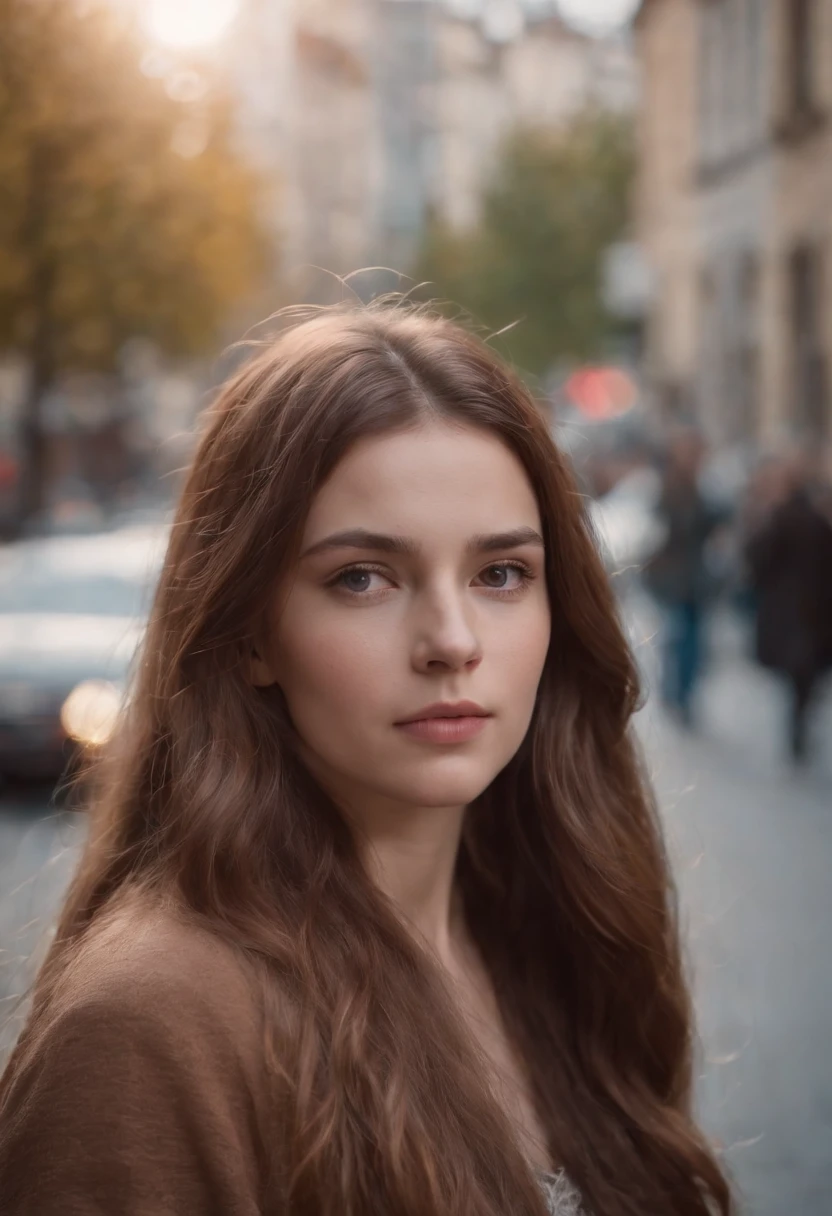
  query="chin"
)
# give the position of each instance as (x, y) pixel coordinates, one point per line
(444, 788)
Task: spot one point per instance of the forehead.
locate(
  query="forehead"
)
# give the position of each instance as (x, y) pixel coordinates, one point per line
(438, 475)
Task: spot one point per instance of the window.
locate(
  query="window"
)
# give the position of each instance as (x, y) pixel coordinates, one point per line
(799, 16)
(730, 73)
(754, 67)
(809, 387)
(710, 361)
(709, 81)
(747, 354)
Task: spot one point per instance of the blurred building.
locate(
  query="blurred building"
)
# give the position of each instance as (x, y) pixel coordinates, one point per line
(502, 65)
(303, 73)
(337, 106)
(406, 75)
(734, 212)
(372, 115)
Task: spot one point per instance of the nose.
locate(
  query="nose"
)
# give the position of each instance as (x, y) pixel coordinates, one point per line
(446, 637)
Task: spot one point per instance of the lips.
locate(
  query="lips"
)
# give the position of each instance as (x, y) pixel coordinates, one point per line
(446, 722)
(446, 709)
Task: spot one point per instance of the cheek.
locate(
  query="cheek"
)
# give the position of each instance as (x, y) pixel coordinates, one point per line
(327, 668)
(522, 650)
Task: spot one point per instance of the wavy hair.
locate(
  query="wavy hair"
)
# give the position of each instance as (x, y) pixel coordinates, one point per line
(562, 869)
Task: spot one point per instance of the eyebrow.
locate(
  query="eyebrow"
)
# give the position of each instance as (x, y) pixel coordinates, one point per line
(360, 538)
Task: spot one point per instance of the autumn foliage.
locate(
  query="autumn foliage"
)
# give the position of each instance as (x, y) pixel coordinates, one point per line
(124, 207)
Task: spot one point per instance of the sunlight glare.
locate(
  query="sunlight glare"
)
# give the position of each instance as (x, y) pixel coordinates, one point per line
(185, 23)
(598, 16)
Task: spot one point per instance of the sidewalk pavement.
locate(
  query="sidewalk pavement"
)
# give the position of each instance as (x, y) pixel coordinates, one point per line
(751, 842)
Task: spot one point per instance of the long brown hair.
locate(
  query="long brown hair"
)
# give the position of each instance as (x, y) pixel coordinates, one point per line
(562, 869)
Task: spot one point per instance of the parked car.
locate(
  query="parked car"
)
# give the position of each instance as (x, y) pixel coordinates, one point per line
(72, 612)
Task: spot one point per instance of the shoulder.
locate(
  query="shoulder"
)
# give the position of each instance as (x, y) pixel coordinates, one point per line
(150, 949)
(140, 1077)
(150, 975)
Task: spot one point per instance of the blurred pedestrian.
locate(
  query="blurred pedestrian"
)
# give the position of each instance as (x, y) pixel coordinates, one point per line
(678, 574)
(789, 556)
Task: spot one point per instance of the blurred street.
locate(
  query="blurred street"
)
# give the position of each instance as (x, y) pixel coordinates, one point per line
(632, 200)
(38, 847)
(751, 843)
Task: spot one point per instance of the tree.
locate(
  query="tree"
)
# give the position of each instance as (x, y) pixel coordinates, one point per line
(554, 203)
(124, 211)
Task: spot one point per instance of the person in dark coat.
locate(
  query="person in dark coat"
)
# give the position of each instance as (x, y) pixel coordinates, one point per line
(789, 557)
(677, 575)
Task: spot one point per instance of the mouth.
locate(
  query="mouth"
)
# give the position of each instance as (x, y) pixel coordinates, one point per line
(446, 722)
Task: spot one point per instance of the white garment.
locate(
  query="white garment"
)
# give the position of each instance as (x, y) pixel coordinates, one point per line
(562, 1199)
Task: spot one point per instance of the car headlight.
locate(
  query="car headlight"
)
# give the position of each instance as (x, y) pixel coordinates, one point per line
(90, 712)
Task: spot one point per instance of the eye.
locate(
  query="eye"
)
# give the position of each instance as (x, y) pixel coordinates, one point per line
(506, 576)
(359, 580)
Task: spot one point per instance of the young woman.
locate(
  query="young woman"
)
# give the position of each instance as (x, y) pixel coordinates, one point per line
(375, 915)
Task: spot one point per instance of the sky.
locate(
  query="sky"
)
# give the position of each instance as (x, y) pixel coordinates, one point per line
(194, 22)
(594, 16)
(597, 15)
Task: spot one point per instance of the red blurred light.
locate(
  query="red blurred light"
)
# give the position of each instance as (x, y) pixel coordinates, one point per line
(601, 392)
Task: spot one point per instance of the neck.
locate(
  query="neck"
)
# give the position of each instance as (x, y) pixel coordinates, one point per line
(410, 853)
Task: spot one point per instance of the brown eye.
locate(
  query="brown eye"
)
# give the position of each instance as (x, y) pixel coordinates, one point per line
(360, 582)
(497, 576)
(356, 580)
(510, 578)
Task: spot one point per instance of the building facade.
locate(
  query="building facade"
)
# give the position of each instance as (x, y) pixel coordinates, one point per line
(500, 67)
(734, 213)
(304, 75)
(337, 107)
(372, 115)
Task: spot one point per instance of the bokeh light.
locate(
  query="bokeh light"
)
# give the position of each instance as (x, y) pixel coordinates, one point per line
(597, 16)
(189, 23)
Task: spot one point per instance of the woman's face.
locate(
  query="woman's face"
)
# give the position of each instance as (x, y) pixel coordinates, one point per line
(420, 586)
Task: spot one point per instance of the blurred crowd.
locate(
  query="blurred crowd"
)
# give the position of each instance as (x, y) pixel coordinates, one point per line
(760, 545)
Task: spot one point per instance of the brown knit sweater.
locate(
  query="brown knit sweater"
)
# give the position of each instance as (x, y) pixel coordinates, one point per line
(141, 1092)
